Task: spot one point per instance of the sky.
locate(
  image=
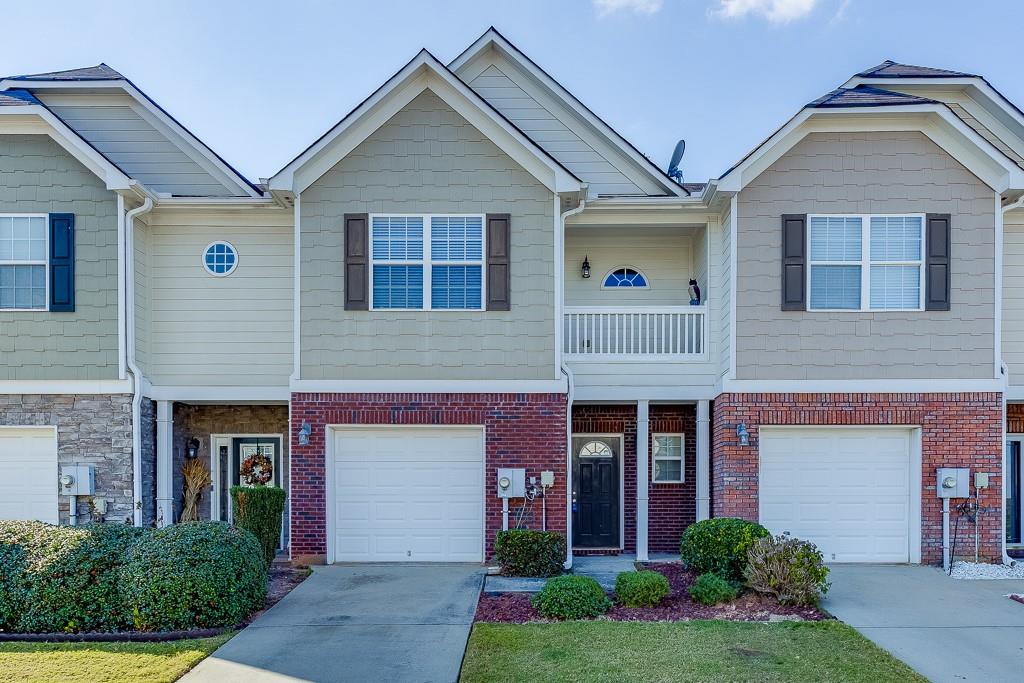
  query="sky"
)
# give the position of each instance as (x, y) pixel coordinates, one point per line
(258, 81)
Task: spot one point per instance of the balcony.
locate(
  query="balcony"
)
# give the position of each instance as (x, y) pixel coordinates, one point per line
(641, 333)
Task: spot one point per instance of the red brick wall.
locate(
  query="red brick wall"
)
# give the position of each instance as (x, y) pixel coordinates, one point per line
(957, 430)
(522, 430)
(671, 507)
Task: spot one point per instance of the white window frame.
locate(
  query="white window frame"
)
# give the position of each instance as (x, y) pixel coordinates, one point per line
(427, 262)
(211, 273)
(866, 262)
(45, 262)
(682, 458)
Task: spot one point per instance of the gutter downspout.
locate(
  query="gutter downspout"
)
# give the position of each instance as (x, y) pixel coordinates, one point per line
(129, 227)
(567, 371)
(1007, 560)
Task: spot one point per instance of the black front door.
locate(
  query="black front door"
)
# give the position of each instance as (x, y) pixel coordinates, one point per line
(1013, 492)
(595, 517)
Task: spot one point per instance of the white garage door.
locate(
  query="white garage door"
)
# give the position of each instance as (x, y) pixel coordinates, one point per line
(408, 495)
(28, 474)
(846, 490)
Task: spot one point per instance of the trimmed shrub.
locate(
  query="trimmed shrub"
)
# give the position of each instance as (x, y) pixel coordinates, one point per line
(712, 589)
(62, 578)
(641, 589)
(259, 509)
(194, 575)
(523, 552)
(571, 597)
(792, 570)
(720, 545)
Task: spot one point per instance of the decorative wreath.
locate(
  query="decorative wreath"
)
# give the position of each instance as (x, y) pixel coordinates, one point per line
(257, 469)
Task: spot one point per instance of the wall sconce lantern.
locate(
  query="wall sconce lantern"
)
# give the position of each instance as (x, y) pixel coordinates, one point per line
(193, 448)
(304, 431)
(585, 269)
(742, 434)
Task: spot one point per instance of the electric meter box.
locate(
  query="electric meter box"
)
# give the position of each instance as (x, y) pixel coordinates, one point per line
(953, 482)
(511, 482)
(77, 480)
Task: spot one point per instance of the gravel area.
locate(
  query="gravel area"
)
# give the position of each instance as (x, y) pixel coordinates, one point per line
(976, 571)
(516, 608)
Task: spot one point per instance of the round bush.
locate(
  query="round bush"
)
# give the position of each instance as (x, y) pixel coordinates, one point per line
(523, 552)
(720, 546)
(571, 597)
(792, 570)
(711, 589)
(641, 589)
(194, 575)
(259, 509)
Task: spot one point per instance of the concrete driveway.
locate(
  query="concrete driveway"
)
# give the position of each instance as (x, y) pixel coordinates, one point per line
(357, 623)
(947, 630)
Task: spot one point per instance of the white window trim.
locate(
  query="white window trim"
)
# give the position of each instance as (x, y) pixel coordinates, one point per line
(626, 289)
(202, 259)
(865, 262)
(45, 262)
(682, 458)
(427, 261)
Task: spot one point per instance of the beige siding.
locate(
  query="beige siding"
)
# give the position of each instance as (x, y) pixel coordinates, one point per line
(143, 302)
(1013, 296)
(38, 176)
(900, 172)
(720, 296)
(220, 331)
(427, 159)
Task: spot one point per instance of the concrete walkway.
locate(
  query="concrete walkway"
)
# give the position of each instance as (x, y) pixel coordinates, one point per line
(396, 623)
(948, 630)
(604, 569)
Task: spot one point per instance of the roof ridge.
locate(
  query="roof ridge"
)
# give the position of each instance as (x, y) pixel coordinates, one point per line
(99, 72)
(893, 69)
(865, 96)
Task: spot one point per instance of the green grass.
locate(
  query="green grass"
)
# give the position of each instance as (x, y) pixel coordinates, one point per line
(680, 651)
(103, 662)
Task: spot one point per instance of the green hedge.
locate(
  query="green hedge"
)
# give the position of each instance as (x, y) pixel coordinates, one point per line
(641, 589)
(711, 589)
(259, 509)
(111, 577)
(571, 597)
(523, 552)
(720, 546)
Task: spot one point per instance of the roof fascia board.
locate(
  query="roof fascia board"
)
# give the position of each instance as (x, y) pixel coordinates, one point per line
(38, 120)
(492, 39)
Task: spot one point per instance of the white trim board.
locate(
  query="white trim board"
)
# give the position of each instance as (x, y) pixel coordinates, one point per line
(861, 386)
(429, 386)
(217, 394)
(85, 386)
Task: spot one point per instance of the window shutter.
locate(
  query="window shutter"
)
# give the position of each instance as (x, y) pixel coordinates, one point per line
(794, 262)
(357, 262)
(62, 262)
(499, 297)
(937, 267)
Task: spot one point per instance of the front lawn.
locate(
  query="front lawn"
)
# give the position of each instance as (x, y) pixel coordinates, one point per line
(679, 651)
(103, 662)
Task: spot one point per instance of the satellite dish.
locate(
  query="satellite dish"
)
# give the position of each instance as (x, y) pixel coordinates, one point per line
(674, 172)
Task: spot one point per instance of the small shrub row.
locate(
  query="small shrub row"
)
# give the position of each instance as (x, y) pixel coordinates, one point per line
(524, 552)
(712, 589)
(641, 589)
(719, 546)
(571, 597)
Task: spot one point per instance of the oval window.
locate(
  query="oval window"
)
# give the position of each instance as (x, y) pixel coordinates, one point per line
(220, 259)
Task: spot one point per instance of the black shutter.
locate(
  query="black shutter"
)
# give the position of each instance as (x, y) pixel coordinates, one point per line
(794, 262)
(937, 267)
(357, 262)
(62, 262)
(499, 241)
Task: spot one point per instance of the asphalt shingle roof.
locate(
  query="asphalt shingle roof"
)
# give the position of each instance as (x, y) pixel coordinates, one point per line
(891, 69)
(865, 96)
(100, 72)
(17, 98)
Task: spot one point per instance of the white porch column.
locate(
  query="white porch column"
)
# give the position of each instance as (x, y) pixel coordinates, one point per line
(643, 451)
(165, 462)
(703, 460)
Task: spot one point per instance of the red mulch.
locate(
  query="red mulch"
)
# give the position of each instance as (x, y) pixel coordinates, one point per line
(1018, 597)
(515, 608)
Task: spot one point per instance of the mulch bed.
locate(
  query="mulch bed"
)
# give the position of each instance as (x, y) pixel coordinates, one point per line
(515, 608)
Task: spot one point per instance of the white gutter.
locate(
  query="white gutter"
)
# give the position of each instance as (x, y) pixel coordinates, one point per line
(1019, 204)
(129, 229)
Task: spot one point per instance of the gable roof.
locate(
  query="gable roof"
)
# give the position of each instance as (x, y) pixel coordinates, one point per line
(865, 96)
(891, 69)
(493, 38)
(17, 98)
(395, 93)
(100, 72)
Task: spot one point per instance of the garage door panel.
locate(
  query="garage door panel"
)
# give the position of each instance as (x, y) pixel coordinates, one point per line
(28, 474)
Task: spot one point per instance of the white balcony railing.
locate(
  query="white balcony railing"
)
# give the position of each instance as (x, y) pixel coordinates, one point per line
(635, 333)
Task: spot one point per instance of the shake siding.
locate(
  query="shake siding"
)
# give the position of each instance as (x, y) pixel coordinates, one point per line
(220, 331)
(427, 159)
(1013, 296)
(895, 172)
(38, 176)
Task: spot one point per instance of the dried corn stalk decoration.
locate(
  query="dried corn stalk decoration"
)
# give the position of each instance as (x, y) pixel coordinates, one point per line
(197, 478)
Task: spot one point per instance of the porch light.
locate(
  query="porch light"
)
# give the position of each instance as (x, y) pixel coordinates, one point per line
(742, 434)
(193, 448)
(585, 269)
(304, 431)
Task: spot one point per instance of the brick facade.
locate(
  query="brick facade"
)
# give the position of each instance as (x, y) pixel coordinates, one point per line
(671, 507)
(957, 430)
(522, 430)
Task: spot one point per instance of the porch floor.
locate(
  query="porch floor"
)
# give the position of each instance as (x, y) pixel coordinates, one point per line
(603, 568)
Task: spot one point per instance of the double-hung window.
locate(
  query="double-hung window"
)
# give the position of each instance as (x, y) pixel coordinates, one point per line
(23, 262)
(427, 262)
(667, 452)
(866, 262)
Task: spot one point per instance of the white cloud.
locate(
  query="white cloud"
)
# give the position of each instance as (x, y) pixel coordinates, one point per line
(775, 11)
(606, 7)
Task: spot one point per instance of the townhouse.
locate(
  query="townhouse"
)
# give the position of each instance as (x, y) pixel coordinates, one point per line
(472, 304)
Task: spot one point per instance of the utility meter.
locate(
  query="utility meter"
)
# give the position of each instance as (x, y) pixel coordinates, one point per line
(953, 482)
(77, 480)
(511, 482)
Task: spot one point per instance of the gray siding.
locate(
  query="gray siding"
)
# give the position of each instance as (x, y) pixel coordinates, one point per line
(720, 295)
(898, 172)
(1013, 296)
(428, 159)
(38, 176)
